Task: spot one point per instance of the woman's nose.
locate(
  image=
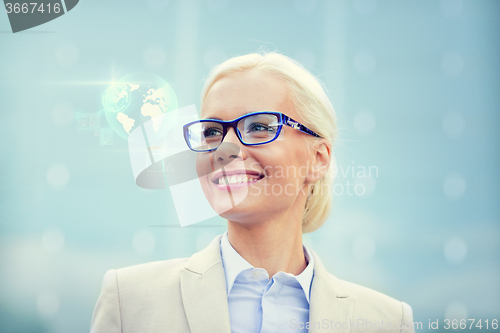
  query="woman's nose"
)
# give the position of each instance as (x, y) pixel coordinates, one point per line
(231, 136)
(229, 148)
(225, 153)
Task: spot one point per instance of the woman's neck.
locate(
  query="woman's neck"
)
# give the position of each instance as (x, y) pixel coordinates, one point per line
(274, 245)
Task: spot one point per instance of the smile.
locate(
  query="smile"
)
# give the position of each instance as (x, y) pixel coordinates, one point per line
(224, 179)
(237, 179)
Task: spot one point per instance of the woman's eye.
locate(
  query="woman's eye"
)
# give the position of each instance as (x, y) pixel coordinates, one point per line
(211, 132)
(257, 127)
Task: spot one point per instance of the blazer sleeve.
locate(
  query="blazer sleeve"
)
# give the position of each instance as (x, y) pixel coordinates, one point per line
(407, 320)
(107, 318)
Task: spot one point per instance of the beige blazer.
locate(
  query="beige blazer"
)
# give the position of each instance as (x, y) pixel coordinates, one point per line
(189, 295)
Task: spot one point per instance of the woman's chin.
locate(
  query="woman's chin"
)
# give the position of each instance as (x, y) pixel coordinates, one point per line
(230, 199)
(241, 216)
(234, 206)
(224, 206)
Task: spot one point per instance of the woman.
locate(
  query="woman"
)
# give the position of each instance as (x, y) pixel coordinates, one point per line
(264, 148)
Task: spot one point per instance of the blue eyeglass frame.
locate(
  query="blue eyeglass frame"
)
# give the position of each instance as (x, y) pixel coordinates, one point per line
(282, 118)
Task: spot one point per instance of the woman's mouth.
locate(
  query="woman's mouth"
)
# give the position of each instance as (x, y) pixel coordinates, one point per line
(236, 180)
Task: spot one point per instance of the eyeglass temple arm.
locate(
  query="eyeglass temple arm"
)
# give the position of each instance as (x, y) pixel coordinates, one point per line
(295, 124)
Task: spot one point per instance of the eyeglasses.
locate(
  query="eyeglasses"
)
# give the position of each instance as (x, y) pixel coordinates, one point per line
(252, 129)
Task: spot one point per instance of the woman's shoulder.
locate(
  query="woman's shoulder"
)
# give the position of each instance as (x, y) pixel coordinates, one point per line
(148, 272)
(366, 294)
(153, 280)
(371, 303)
(144, 278)
(166, 273)
(366, 303)
(141, 295)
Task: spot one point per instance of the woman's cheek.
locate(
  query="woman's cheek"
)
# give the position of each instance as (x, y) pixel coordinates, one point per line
(203, 164)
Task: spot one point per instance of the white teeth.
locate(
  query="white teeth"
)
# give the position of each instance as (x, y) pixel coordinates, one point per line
(236, 180)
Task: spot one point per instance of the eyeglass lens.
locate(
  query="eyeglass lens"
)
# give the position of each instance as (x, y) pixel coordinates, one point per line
(260, 128)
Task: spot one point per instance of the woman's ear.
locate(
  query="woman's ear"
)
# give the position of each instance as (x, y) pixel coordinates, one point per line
(322, 155)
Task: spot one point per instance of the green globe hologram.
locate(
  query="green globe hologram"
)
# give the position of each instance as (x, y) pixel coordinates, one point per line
(137, 98)
(116, 98)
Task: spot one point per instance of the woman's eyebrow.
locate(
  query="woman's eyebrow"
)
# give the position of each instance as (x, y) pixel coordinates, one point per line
(217, 118)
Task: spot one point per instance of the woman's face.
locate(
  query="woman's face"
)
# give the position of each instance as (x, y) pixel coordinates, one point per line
(277, 170)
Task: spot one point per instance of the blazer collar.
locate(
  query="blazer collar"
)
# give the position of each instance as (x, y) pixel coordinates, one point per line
(331, 307)
(204, 295)
(203, 289)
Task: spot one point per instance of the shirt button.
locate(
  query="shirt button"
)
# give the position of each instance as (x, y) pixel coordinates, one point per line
(255, 274)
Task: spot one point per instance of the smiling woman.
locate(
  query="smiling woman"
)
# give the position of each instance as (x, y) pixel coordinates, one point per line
(261, 114)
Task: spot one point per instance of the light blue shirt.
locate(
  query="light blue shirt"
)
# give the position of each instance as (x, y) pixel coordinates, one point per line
(259, 304)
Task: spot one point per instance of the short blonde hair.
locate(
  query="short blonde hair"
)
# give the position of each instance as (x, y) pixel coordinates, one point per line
(310, 101)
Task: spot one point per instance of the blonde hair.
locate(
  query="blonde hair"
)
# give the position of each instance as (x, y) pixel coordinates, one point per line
(310, 101)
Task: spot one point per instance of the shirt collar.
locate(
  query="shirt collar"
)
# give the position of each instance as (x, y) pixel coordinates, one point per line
(234, 264)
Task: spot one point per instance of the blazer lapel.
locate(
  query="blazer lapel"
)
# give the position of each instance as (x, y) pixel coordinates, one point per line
(203, 289)
(330, 307)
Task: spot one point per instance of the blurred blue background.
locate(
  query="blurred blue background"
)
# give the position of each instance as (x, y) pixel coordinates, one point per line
(415, 85)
